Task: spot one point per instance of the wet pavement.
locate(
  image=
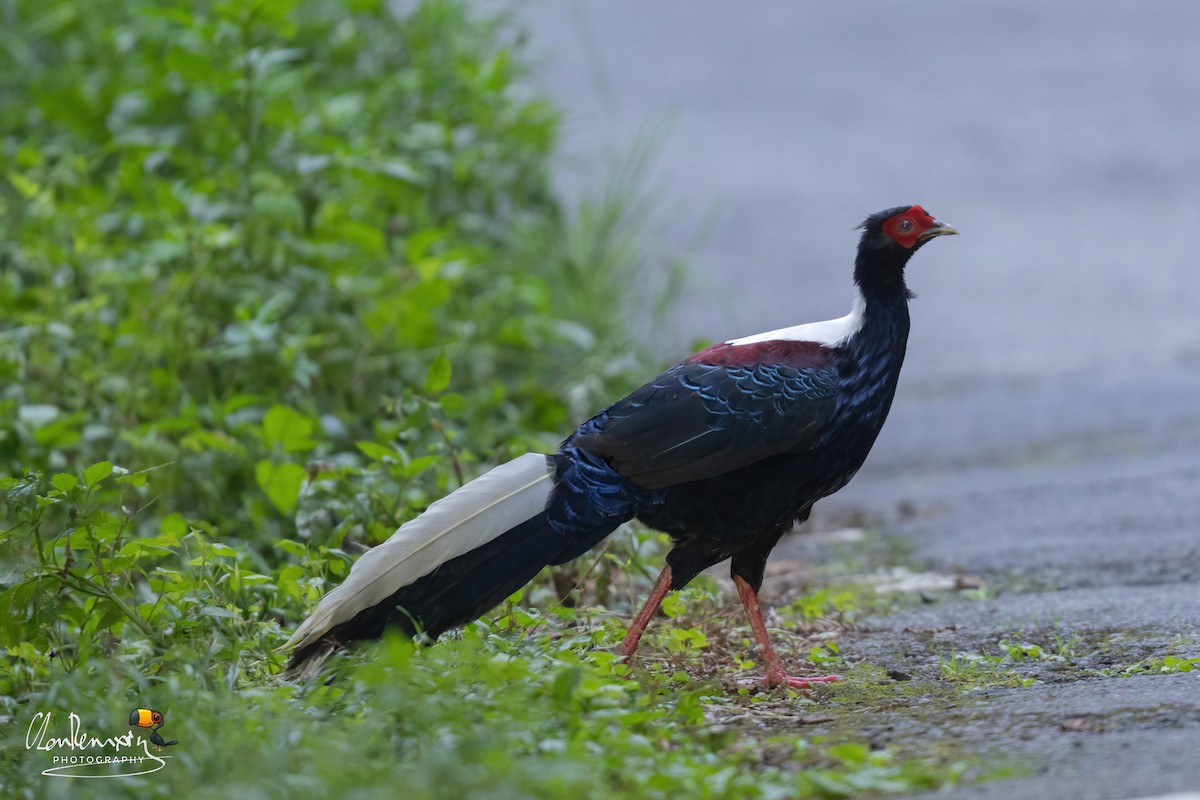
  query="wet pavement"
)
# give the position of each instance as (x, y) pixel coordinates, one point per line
(1046, 434)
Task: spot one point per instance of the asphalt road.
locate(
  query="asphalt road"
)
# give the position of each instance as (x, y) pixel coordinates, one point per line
(1046, 434)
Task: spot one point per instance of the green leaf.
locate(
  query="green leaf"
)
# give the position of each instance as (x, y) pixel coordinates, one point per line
(153, 545)
(377, 451)
(97, 472)
(218, 612)
(419, 465)
(438, 376)
(565, 685)
(64, 482)
(392, 168)
(292, 547)
(174, 525)
(281, 483)
(850, 753)
(280, 207)
(288, 429)
(222, 550)
(453, 405)
(23, 185)
(111, 614)
(134, 478)
(24, 492)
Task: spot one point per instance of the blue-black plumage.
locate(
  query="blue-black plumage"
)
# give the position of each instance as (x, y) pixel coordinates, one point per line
(724, 452)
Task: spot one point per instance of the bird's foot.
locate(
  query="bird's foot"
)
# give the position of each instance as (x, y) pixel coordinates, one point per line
(792, 682)
(779, 680)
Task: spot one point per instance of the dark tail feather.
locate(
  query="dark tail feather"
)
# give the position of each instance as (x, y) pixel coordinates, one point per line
(460, 590)
(467, 588)
(469, 551)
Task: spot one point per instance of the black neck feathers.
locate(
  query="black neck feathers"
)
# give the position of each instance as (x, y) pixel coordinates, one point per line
(879, 268)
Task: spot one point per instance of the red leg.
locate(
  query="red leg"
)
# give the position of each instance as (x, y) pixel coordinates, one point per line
(775, 675)
(629, 646)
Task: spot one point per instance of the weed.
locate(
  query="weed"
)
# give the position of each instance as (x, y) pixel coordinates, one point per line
(1164, 665)
(986, 670)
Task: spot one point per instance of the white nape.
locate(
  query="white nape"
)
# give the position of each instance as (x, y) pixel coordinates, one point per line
(830, 332)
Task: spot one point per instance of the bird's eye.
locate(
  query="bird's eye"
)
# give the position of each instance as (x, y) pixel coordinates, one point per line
(905, 225)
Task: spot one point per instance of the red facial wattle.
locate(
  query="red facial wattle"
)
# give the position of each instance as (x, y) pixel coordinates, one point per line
(906, 227)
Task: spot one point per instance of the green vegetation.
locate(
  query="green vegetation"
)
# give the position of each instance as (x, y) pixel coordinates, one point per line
(1003, 667)
(273, 276)
(527, 701)
(1017, 662)
(1163, 665)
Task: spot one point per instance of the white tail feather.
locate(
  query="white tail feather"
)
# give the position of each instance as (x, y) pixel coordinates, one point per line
(463, 520)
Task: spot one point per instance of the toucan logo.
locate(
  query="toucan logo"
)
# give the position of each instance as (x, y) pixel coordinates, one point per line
(149, 718)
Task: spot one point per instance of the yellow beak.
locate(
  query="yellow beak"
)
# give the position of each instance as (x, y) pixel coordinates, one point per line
(938, 229)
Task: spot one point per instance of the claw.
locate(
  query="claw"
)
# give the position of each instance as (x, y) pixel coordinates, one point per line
(768, 682)
(798, 683)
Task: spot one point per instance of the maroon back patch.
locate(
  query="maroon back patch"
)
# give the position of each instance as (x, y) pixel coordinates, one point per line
(801, 355)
